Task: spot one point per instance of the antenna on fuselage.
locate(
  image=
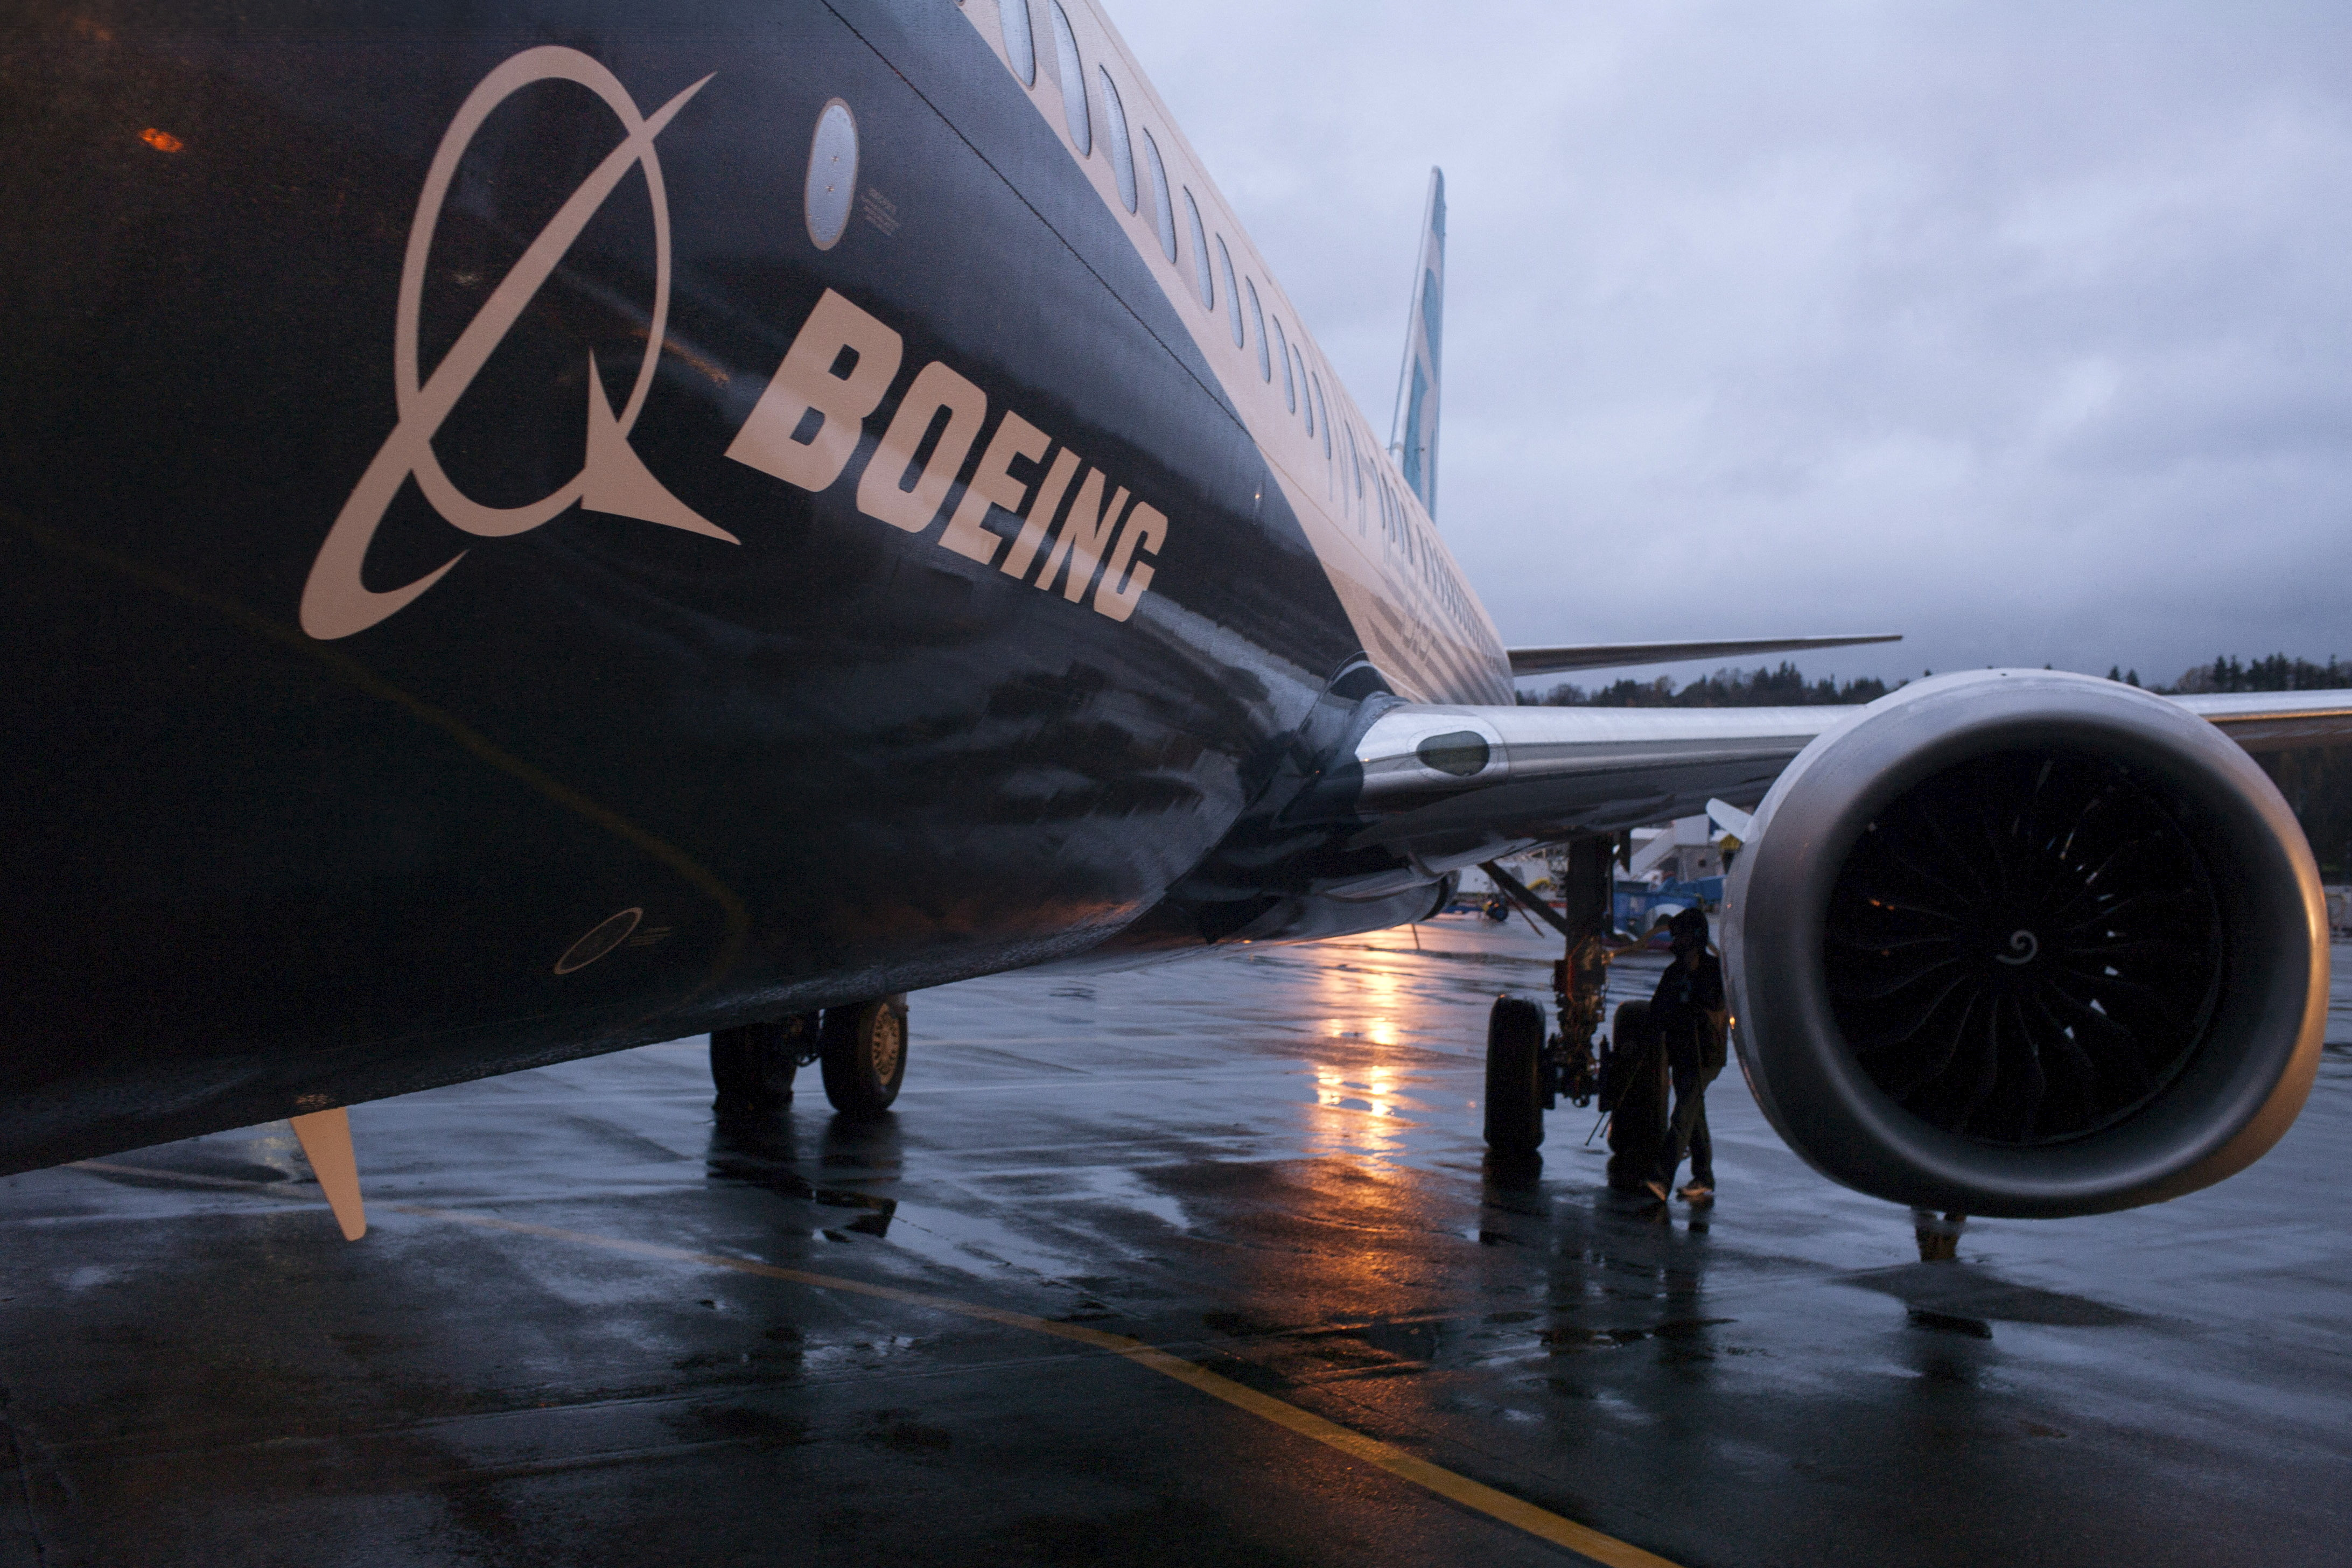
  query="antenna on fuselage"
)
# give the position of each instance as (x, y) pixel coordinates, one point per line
(1412, 429)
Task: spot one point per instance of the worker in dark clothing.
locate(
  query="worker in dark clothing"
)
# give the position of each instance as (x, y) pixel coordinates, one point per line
(1692, 1023)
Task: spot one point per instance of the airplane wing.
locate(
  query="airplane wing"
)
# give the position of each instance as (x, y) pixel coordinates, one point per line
(2278, 721)
(1451, 785)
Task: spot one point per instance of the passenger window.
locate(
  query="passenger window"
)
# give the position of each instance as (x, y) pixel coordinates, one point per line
(1323, 409)
(1019, 46)
(1074, 81)
(1232, 295)
(832, 175)
(1162, 213)
(1202, 283)
(1282, 351)
(1122, 156)
(1257, 321)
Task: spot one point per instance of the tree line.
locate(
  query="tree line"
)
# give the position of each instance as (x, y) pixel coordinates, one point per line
(2317, 782)
(1783, 688)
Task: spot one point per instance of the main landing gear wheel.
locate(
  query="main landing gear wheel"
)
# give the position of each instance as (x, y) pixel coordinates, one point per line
(1514, 1089)
(1633, 1093)
(752, 1065)
(864, 1051)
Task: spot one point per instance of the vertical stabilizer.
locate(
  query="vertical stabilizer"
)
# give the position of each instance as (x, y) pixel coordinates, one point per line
(1413, 439)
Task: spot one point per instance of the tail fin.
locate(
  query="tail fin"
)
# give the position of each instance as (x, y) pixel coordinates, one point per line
(1413, 439)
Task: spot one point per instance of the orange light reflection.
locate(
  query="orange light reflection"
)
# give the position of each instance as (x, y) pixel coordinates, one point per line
(1362, 1106)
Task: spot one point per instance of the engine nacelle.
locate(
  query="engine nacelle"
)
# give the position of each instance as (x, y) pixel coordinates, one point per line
(2029, 944)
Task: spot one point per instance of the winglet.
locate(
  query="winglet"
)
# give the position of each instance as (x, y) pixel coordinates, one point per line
(326, 1138)
(1413, 437)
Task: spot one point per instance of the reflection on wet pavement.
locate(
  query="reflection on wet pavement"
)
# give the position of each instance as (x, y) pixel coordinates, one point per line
(1267, 1162)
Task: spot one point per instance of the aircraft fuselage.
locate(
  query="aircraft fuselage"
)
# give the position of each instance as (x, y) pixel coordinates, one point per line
(506, 561)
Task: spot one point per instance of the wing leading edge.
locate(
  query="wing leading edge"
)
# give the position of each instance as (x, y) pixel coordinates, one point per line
(2277, 720)
(1449, 785)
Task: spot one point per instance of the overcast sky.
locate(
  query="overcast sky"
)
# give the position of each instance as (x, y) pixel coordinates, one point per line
(2019, 328)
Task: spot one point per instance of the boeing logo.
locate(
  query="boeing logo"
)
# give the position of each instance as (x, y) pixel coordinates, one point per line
(807, 426)
(611, 478)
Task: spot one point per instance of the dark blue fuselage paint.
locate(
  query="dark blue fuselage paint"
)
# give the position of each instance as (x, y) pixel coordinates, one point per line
(253, 871)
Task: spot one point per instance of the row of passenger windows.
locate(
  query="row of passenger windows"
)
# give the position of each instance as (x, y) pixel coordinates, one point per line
(1302, 389)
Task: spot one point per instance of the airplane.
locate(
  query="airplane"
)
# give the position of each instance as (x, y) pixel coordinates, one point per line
(529, 534)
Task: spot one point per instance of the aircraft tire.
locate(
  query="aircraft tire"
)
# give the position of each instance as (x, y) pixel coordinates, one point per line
(1634, 1090)
(863, 1049)
(1515, 1038)
(752, 1065)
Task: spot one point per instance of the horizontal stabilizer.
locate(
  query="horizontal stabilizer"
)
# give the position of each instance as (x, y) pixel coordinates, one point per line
(1612, 655)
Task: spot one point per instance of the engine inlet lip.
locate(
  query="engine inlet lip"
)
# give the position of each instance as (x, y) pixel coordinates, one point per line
(2226, 1104)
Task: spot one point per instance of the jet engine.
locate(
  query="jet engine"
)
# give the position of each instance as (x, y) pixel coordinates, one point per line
(2029, 944)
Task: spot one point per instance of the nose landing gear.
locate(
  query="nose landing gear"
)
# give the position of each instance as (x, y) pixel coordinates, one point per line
(861, 1049)
(864, 1050)
(752, 1065)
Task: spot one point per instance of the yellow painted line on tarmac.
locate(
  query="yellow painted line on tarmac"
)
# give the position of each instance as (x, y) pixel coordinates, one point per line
(1542, 1523)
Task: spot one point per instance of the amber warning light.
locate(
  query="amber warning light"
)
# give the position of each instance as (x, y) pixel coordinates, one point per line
(162, 141)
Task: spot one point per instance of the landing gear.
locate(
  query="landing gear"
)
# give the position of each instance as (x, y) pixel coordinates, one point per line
(1940, 1240)
(1633, 1093)
(863, 1049)
(752, 1065)
(1514, 1078)
(1527, 1075)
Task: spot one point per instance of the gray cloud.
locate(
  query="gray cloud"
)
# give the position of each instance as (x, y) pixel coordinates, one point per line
(2020, 330)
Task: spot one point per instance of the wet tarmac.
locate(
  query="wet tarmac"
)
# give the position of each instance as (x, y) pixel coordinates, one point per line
(591, 1326)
